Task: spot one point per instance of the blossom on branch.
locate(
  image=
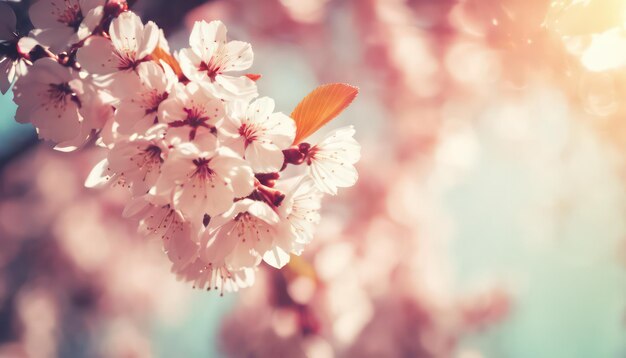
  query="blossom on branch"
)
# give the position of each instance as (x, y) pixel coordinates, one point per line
(203, 162)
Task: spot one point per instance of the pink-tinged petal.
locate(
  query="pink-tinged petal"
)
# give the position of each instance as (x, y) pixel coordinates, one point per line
(41, 14)
(228, 87)
(189, 63)
(240, 175)
(171, 110)
(57, 123)
(57, 38)
(26, 44)
(230, 126)
(242, 181)
(264, 158)
(24, 112)
(153, 76)
(149, 40)
(97, 56)
(260, 109)
(264, 212)
(237, 145)
(281, 130)
(206, 141)
(206, 37)
(76, 142)
(132, 118)
(243, 256)
(200, 197)
(240, 56)
(99, 175)
(126, 33)
(46, 71)
(91, 21)
(135, 207)
(276, 257)
(88, 5)
(341, 143)
(173, 171)
(219, 243)
(238, 207)
(330, 175)
(181, 250)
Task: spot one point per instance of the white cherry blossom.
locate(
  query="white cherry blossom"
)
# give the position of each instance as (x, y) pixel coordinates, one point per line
(161, 222)
(191, 112)
(259, 134)
(210, 60)
(331, 161)
(204, 182)
(134, 163)
(62, 23)
(131, 43)
(240, 237)
(139, 107)
(49, 98)
(299, 213)
(201, 160)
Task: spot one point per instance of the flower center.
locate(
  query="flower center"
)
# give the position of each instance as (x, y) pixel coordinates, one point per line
(212, 69)
(58, 93)
(126, 60)
(195, 120)
(202, 169)
(249, 133)
(149, 158)
(70, 15)
(154, 100)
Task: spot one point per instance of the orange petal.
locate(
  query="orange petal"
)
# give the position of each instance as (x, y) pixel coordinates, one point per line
(320, 107)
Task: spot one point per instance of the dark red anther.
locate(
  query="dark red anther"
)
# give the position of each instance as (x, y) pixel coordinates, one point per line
(293, 155)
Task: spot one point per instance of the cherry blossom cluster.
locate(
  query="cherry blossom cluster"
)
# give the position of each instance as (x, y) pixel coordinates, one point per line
(202, 155)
